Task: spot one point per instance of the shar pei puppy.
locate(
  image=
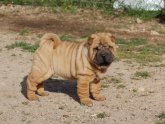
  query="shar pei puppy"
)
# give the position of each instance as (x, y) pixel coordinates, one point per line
(84, 62)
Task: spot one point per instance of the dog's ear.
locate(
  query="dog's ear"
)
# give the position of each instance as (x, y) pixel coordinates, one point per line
(113, 38)
(90, 39)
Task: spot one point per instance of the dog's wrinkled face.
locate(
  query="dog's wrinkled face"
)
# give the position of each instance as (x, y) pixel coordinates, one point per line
(102, 50)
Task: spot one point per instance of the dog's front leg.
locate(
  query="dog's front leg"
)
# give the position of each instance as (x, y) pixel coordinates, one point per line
(95, 90)
(83, 90)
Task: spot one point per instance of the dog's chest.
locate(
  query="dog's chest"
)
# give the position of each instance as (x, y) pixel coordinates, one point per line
(98, 76)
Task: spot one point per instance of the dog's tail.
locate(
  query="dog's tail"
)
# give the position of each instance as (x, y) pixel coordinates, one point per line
(50, 38)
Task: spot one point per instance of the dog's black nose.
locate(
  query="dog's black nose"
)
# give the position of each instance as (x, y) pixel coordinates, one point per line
(103, 54)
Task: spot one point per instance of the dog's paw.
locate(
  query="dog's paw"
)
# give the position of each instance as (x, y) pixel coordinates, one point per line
(44, 93)
(32, 97)
(100, 98)
(87, 102)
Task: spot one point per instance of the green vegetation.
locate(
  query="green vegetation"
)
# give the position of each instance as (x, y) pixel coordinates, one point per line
(106, 81)
(146, 15)
(23, 45)
(160, 123)
(120, 86)
(140, 49)
(157, 65)
(142, 74)
(105, 5)
(102, 115)
(24, 32)
(115, 80)
(25, 103)
(61, 107)
(67, 37)
(161, 117)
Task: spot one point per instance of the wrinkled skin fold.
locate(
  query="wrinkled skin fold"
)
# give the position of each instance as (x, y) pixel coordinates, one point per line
(84, 62)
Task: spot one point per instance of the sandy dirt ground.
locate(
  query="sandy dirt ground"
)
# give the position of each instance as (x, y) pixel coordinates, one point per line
(122, 105)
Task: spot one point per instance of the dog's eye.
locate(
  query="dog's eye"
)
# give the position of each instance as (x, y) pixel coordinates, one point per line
(97, 48)
(110, 47)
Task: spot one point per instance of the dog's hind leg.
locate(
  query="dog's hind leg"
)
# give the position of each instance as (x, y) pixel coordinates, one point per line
(41, 91)
(40, 87)
(35, 83)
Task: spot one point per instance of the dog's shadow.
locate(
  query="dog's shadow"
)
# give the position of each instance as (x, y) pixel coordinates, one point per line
(58, 86)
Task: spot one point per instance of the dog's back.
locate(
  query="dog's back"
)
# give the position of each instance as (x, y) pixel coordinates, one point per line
(63, 57)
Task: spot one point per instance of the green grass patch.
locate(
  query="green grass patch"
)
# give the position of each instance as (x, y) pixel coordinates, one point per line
(24, 32)
(160, 122)
(56, 5)
(162, 115)
(67, 37)
(143, 14)
(102, 115)
(107, 81)
(23, 45)
(104, 5)
(115, 80)
(140, 49)
(142, 74)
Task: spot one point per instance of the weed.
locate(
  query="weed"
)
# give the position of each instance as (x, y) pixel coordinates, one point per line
(104, 85)
(1, 113)
(145, 15)
(161, 115)
(140, 50)
(120, 86)
(142, 74)
(106, 81)
(104, 5)
(61, 107)
(66, 37)
(25, 103)
(157, 65)
(85, 35)
(25, 113)
(39, 35)
(134, 90)
(102, 115)
(158, 28)
(161, 31)
(160, 122)
(115, 80)
(13, 54)
(24, 32)
(23, 45)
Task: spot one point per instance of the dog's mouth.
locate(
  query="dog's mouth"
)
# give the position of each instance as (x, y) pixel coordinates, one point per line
(103, 59)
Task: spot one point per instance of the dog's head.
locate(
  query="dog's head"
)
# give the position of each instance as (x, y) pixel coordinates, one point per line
(101, 50)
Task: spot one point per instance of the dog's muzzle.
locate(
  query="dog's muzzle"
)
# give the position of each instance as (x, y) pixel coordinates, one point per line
(103, 57)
